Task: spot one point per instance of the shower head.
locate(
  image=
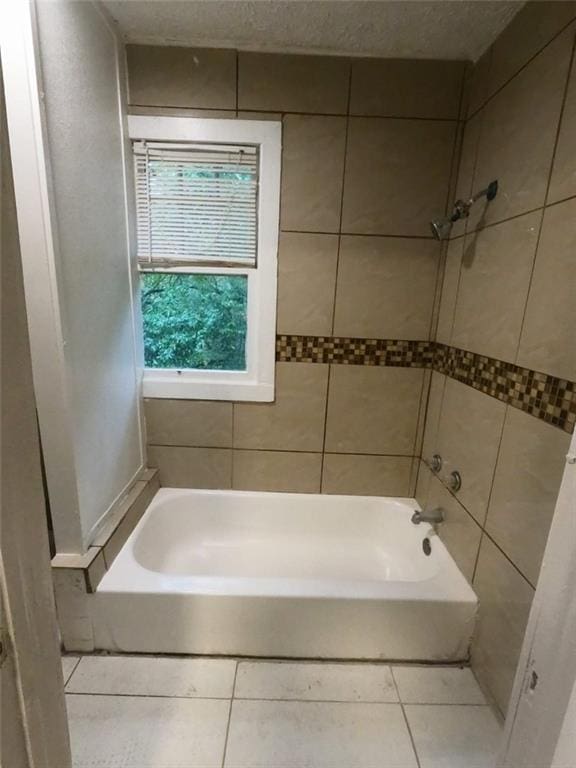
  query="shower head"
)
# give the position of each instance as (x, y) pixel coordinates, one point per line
(441, 228)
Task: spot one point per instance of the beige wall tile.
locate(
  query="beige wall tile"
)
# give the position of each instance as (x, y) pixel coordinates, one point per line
(454, 166)
(526, 486)
(476, 85)
(467, 162)
(228, 114)
(366, 475)
(251, 115)
(277, 471)
(423, 483)
(397, 175)
(563, 181)
(96, 571)
(426, 381)
(295, 421)
(167, 76)
(531, 29)
(449, 294)
(518, 133)
(188, 422)
(73, 606)
(548, 343)
(434, 409)
(505, 599)
(293, 83)
(459, 532)
(312, 167)
(494, 282)
(468, 439)
(306, 283)
(385, 287)
(192, 467)
(373, 410)
(406, 88)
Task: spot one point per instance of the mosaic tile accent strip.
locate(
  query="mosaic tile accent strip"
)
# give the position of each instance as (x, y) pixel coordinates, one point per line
(546, 397)
(349, 351)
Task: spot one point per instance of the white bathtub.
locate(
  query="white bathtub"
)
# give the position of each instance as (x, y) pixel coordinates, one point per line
(284, 575)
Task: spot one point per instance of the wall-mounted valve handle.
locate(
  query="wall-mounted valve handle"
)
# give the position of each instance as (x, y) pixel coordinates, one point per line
(455, 480)
(436, 463)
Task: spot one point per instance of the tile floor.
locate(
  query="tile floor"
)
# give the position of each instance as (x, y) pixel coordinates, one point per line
(151, 712)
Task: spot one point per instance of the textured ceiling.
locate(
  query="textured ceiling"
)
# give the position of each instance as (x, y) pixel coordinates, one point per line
(452, 29)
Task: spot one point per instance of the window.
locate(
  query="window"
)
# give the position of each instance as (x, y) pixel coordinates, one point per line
(207, 210)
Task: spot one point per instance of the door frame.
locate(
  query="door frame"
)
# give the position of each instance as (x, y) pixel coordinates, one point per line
(34, 722)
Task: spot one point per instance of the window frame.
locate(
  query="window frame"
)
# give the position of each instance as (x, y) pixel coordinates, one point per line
(256, 383)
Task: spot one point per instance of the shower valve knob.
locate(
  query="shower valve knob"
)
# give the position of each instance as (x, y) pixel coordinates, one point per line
(455, 480)
(436, 463)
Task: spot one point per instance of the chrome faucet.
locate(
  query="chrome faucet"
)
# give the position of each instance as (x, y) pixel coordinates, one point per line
(433, 516)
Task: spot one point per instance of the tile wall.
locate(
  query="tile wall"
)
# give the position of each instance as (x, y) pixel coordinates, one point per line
(508, 293)
(368, 151)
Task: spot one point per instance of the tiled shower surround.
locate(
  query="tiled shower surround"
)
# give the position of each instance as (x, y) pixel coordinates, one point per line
(508, 294)
(356, 260)
(390, 347)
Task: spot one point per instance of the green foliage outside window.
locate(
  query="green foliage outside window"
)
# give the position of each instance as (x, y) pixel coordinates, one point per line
(194, 321)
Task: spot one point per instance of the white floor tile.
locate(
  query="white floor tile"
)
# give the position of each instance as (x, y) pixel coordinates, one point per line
(319, 682)
(127, 732)
(290, 734)
(68, 664)
(153, 676)
(437, 685)
(454, 736)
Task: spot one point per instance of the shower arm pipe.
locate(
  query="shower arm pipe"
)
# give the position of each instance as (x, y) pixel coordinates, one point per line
(462, 207)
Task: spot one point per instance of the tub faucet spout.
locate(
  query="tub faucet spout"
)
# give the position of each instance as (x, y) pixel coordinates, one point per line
(433, 516)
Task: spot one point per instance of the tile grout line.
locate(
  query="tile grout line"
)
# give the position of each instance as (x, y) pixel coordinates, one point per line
(524, 66)
(230, 714)
(74, 668)
(392, 236)
(405, 716)
(376, 702)
(232, 440)
(335, 294)
(232, 110)
(489, 499)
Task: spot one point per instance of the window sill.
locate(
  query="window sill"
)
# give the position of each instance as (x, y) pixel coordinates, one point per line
(186, 386)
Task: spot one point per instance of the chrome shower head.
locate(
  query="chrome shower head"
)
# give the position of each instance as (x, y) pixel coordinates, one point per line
(441, 228)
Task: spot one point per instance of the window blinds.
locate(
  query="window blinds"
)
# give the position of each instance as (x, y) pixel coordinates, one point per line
(196, 204)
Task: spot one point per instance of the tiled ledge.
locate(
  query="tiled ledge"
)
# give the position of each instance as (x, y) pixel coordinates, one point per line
(119, 525)
(546, 397)
(76, 577)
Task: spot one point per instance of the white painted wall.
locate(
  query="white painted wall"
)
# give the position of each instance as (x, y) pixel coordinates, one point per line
(70, 172)
(79, 65)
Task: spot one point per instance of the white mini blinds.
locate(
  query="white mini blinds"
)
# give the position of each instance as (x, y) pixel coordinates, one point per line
(196, 204)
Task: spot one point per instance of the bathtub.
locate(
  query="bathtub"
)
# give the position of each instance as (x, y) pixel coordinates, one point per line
(284, 575)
